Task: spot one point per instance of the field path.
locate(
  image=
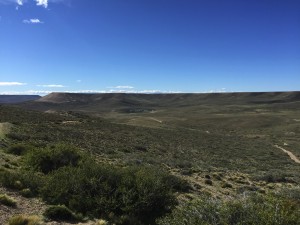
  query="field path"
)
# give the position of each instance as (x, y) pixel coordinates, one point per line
(291, 155)
(156, 120)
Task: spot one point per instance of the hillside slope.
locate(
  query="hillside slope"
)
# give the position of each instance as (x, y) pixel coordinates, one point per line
(147, 102)
(17, 98)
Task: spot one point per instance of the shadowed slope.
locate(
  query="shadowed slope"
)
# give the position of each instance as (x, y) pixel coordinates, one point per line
(17, 98)
(121, 101)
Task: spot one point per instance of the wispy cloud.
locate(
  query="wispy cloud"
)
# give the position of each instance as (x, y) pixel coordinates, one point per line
(32, 21)
(122, 87)
(222, 90)
(45, 92)
(12, 84)
(43, 3)
(127, 91)
(78, 81)
(51, 85)
(29, 92)
(18, 2)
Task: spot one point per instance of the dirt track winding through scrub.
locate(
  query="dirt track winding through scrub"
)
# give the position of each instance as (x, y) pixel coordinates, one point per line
(291, 155)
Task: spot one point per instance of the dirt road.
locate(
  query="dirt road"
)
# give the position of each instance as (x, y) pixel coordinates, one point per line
(291, 155)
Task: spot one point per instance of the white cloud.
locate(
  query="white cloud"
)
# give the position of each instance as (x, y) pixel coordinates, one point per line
(18, 2)
(29, 92)
(32, 21)
(222, 90)
(125, 91)
(122, 87)
(45, 92)
(43, 3)
(78, 81)
(51, 85)
(12, 84)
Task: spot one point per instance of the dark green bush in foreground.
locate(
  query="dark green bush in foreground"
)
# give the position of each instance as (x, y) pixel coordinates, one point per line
(60, 213)
(95, 190)
(52, 158)
(22, 179)
(253, 210)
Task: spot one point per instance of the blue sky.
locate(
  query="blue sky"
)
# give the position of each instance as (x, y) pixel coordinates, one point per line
(149, 45)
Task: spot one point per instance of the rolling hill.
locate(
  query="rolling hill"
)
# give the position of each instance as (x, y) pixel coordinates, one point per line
(10, 99)
(140, 102)
(225, 145)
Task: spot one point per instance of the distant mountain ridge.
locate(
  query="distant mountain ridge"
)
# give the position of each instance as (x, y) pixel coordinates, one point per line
(57, 97)
(128, 101)
(10, 99)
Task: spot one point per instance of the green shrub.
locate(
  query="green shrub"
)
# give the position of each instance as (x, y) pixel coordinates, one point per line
(226, 185)
(207, 176)
(26, 193)
(256, 209)
(94, 190)
(60, 213)
(17, 136)
(48, 159)
(178, 184)
(19, 180)
(274, 177)
(25, 220)
(8, 201)
(209, 182)
(18, 149)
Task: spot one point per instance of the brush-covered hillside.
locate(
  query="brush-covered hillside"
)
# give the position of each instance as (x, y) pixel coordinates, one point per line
(227, 158)
(107, 102)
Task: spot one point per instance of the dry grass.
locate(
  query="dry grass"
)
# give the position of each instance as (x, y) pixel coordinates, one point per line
(101, 222)
(25, 220)
(8, 201)
(4, 129)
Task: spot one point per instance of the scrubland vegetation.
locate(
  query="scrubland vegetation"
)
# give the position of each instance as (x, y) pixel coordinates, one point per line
(77, 186)
(205, 169)
(247, 210)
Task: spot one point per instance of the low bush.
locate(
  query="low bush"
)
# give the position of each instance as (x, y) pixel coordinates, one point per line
(60, 213)
(17, 136)
(25, 220)
(26, 193)
(177, 183)
(18, 149)
(256, 209)
(62, 175)
(52, 158)
(274, 177)
(209, 182)
(143, 193)
(8, 201)
(226, 185)
(19, 180)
